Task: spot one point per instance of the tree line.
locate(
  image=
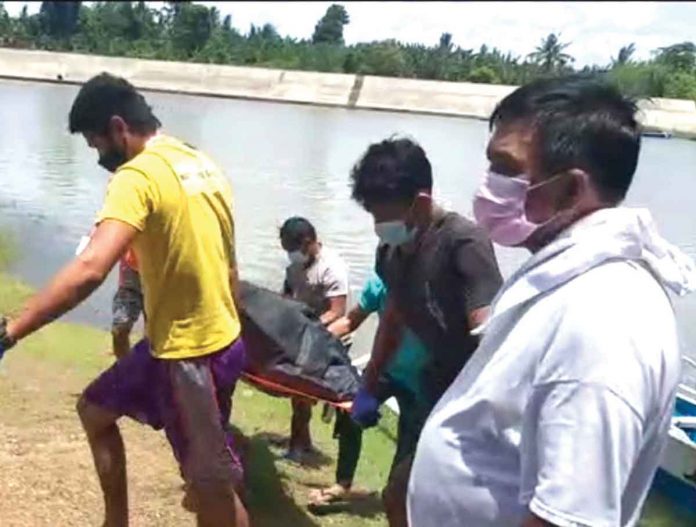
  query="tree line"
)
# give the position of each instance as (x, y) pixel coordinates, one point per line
(185, 31)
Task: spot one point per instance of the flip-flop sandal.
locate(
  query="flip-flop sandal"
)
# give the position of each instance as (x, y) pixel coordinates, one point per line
(327, 501)
(331, 495)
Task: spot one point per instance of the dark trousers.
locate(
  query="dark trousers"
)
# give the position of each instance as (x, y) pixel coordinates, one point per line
(300, 436)
(349, 435)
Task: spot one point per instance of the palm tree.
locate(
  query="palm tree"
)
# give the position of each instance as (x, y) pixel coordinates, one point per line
(549, 54)
(446, 42)
(624, 56)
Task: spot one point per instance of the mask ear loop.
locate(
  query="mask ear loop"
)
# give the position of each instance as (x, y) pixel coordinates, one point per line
(547, 181)
(558, 214)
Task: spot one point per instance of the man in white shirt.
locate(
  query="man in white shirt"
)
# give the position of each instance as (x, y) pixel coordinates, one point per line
(318, 277)
(560, 416)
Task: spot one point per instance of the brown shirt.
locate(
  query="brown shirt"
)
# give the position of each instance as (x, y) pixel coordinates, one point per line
(452, 272)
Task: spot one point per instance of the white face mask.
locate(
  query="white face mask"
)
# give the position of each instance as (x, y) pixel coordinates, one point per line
(394, 233)
(499, 207)
(298, 257)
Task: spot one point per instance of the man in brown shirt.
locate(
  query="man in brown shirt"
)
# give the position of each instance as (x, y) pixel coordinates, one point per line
(441, 275)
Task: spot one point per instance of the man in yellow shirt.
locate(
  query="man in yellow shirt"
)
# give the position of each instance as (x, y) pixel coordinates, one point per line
(172, 204)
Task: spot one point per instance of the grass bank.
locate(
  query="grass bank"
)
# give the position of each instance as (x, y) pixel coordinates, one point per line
(47, 471)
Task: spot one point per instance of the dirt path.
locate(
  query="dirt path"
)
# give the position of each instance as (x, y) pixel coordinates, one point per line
(47, 477)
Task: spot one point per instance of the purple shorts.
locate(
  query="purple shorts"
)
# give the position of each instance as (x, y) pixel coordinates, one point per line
(191, 399)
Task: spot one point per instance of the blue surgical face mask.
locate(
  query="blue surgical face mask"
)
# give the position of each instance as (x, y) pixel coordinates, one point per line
(394, 233)
(298, 257)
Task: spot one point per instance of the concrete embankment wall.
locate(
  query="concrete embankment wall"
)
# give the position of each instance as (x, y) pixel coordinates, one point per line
(457, 99)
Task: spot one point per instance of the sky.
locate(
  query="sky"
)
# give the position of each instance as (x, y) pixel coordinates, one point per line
(595, 30)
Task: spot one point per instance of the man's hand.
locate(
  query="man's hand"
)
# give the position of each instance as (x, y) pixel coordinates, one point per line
(349, 323)
(337, 309)
(365, 409)
(339, 328)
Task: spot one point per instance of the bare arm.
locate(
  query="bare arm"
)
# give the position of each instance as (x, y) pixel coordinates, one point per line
(337, 309)
(476, 266)
(386, 343)
(77, 280)
(349, 323)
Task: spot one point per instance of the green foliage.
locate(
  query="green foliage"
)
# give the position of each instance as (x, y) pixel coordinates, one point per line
(624, 55)
(190, 27)
(680, 85)
(329, 29)
(385, 58)
(681, 57)
(484, 75)
(59, 19)
(550, 55)
(187, 31)
(640, 79)
(5, 23)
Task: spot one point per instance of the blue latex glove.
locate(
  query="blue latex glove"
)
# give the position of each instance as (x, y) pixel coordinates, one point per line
(365, 409)
(2, 351)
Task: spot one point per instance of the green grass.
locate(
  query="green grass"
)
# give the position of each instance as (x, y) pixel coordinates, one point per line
(277, 485)
(7, 249)
(278, 490)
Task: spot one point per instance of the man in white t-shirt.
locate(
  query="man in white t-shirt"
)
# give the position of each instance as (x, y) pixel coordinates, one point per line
(318, 277)
(560, 416)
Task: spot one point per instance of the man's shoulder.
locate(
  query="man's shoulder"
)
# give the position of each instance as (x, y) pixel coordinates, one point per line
(617, 294)
(616, 283)
(164, 152)
(331, 259)
(148, 163)
(457, 227)
(619, 306)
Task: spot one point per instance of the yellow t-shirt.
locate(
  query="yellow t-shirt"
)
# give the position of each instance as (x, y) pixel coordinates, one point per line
(181, 204)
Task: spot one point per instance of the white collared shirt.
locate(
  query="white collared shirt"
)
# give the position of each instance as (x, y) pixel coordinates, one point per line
(564, 408)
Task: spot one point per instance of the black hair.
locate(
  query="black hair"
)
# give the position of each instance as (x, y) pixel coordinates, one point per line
(579, 122)
(295, 230)
(393, 170)
(104, 96)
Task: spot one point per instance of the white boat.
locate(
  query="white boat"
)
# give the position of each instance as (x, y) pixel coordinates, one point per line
(676, 477)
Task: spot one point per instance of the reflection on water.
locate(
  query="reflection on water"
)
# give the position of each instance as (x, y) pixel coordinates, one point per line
(282, 160)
